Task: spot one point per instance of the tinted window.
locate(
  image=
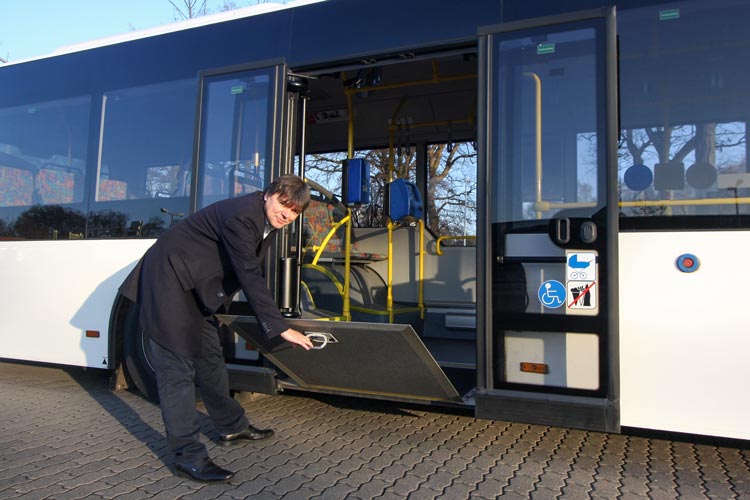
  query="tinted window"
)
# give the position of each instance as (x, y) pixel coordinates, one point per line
(236, 138)
(547, 150)
(42, 169)
(143, 174)
(684, 110)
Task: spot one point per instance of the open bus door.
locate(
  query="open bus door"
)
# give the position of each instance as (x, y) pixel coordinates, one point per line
(245, 137)
(548, 137)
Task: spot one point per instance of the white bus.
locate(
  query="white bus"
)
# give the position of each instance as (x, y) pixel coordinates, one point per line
(535, 210)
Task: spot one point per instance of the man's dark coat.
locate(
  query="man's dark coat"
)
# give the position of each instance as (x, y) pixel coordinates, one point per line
(197, 266)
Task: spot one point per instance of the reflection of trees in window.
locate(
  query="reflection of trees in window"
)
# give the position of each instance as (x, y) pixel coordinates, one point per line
(50, 222)
(153, 228)
(107, 224)
(451, 186)
(6, 229)
(707, 146)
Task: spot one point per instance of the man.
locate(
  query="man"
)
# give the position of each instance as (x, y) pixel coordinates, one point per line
(191, 273)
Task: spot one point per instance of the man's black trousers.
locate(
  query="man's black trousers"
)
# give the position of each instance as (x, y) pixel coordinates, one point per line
(176, 377)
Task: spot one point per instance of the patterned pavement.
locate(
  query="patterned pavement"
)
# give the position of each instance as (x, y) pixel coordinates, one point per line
(64, 435)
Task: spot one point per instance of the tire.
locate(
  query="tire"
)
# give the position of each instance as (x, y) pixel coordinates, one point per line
(139, 371)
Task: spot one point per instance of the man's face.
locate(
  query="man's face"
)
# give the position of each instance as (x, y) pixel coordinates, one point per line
(279, 213)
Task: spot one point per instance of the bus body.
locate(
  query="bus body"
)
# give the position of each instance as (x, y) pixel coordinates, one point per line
(538, 210)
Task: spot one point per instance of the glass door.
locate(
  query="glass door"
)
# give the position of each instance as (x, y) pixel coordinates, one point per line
(550, 157)
(239, 143)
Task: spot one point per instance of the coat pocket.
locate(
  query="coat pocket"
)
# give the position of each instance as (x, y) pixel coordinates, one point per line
(182, 271)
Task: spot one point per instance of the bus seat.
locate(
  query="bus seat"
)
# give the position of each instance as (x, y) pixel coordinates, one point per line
(112, 190)
(16, 187)
(213, 186)
(318, 222)
(58, 185)
(320, 217)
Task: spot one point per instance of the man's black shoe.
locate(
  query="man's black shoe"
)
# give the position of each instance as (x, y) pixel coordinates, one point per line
(206, 472)
(249, 434)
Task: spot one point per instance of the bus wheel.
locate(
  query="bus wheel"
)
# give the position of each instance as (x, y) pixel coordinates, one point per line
(136, 357)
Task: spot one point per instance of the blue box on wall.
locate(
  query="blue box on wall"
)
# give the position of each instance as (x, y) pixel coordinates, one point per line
(356, 182)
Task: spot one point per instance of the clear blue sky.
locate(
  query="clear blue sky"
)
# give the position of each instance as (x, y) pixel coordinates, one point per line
(33, 28)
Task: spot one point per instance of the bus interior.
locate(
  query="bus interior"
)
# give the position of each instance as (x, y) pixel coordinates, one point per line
(413, 120)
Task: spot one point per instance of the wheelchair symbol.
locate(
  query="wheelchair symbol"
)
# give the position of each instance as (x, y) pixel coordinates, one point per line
(552, 294)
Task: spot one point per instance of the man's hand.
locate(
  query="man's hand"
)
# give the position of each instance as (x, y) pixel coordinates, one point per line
(295, 337)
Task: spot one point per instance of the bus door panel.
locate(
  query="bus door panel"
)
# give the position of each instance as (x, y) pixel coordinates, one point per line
(373, 359)
(240, 140)
(549, 144)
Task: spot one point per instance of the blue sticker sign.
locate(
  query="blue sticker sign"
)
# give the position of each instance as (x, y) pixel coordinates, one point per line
(551, 294)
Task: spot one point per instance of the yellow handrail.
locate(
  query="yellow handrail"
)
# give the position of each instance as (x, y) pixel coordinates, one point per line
(347, 265)
(538, 138)
(335, 282)
(389, 275)
(549, 205)
(673, 203)
(439, 250)
(319, 248)
(420, 285)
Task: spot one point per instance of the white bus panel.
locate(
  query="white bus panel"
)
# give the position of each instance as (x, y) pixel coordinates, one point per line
(684, 336)
(55, 291)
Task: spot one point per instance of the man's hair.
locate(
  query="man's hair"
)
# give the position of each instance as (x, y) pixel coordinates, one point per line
(292, 191)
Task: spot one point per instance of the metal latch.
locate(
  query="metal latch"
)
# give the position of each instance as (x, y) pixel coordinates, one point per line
(323, 338)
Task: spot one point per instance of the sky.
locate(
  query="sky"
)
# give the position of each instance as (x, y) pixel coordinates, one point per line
(33, 28)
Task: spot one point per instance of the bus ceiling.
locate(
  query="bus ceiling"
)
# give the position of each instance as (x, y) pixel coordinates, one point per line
(418, 98)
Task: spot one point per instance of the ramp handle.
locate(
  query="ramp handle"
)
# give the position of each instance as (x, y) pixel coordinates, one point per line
(324, 338)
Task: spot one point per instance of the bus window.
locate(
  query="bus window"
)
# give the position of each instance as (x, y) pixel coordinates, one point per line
(143, 175)
(326, 170)
(42, 161)
(236, 148)
(451, 203)
(554, 160)
(683, 143)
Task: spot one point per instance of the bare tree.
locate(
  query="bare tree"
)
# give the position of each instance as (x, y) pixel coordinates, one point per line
(189, 9)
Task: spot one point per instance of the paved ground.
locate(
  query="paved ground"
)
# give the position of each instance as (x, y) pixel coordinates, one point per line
(63, 435)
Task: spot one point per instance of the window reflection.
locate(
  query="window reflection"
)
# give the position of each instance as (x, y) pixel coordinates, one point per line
(42, 169)
(236, 152)
(143, 174)
(683, 142)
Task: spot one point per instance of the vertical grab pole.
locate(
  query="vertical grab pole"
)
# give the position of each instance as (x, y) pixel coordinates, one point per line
(389, 295)
(346, 312)
(420, 298)
(346, 308)
(538, 127)
(302, 154)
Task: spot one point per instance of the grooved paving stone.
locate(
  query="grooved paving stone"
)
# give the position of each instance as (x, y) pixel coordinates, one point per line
(405, 485)
(65, 435)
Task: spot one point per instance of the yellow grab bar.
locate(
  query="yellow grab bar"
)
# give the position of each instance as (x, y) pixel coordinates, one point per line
(439, 250)
(319, 249)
